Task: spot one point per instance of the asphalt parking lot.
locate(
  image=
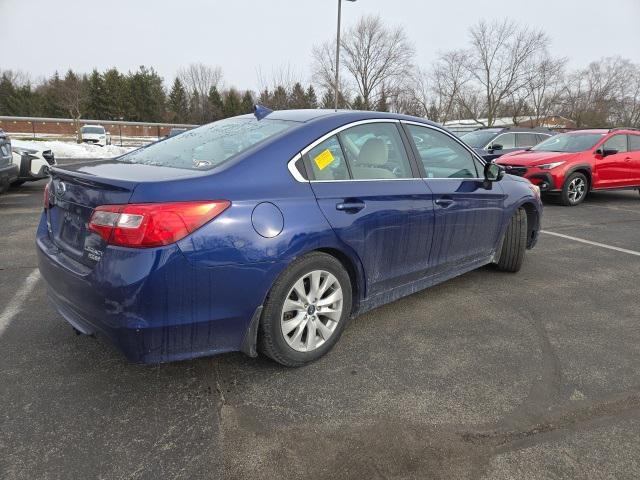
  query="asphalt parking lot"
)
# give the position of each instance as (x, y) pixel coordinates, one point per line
(529, 376)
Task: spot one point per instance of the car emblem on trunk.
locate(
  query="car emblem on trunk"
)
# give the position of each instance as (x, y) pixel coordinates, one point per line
(61, 188)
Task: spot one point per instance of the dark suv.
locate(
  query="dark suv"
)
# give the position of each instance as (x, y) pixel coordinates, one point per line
(8, 170)
(491, 143)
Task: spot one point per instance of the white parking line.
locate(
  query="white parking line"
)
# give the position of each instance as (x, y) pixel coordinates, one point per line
(589, 242)
(15, 305)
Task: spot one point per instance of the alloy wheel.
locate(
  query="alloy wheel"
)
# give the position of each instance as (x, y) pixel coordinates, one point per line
(576, 190)
(311, 310)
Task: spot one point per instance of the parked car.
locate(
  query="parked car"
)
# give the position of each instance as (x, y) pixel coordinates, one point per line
(271, 231)
(175, 131)
(491, 143)
(575, 163)
(95, 134)
(34, 163)
(8, 169)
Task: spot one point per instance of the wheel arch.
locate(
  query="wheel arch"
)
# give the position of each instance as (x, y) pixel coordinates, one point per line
(355, 271)
(585, 169)
(533, 221)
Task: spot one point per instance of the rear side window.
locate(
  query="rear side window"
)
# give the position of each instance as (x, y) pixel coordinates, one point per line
(634, 143)
(208, 146)
(526, 139)
(375, 151)
(507, 140)
(327, 160)
(617, 142)
(442, 157)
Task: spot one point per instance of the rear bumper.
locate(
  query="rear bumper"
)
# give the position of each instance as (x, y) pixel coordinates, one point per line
(152, 303)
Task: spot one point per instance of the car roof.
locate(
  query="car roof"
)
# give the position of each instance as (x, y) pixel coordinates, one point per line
(593, 130)
(340, 116)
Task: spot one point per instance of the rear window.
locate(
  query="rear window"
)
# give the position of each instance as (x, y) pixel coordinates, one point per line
(208, 146)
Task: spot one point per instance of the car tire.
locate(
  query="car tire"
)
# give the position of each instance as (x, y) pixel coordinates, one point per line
(287, 347)
(574, 190)
(514, 243)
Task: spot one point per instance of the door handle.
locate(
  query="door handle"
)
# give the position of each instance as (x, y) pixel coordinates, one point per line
(627, 159)
(350, 206)
(444, 202)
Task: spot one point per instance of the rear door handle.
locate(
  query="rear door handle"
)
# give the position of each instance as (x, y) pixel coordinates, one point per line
(350, 205)
(444, 202)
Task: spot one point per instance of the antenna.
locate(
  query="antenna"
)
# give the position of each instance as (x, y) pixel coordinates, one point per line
(260, 112)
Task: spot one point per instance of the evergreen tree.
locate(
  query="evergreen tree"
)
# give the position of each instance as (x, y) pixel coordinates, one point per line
(280, 99)
(148, 95)
(247, 103)
(328, 102)
(216, 104)
(382, 105)
(298, 98)
(312, 100)
(178, 105)
(7, 92)
(96, 101)
(232, 103)
(358, 104)
(117, 95)
(194, 107)
(265, 98)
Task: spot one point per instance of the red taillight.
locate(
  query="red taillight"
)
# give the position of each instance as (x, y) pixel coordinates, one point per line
(46, 195)
(152, 224)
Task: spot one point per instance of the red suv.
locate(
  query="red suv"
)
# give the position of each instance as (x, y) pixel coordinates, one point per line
(574, 163)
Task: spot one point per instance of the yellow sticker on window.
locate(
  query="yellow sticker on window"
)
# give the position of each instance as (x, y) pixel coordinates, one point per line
(324, 159)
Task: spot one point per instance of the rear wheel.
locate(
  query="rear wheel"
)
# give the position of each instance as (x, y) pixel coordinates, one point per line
(514, 243)
(306, 310)
(575, 189)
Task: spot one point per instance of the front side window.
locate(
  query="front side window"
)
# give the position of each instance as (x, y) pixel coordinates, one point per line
(327, 160)
(375, 151)
(617, 143)
(507, 140)
(441, 156)
(526, 140)
(208, 146)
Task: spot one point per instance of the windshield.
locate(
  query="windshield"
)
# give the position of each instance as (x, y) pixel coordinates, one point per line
(208, 146)
(478, 139)
(569, 142)
(99, 130)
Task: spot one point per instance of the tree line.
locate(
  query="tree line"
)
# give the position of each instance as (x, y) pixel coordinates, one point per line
(505, 70)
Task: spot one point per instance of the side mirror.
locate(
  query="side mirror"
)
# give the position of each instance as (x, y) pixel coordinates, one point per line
(608, 151)
(496, 146)
(493, 172)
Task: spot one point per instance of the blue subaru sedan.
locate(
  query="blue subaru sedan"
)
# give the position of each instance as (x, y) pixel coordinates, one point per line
(268, 232)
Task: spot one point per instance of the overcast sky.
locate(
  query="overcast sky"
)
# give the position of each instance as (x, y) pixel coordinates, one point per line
(245, 37)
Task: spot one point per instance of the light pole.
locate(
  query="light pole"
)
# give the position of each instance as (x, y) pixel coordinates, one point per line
(338, 52)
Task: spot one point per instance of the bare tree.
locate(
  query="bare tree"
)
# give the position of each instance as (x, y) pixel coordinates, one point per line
(198, 80)
(324, 69)
(499, 60)
(543, 86)
(376, 55)
(73, 96)
(592, 96)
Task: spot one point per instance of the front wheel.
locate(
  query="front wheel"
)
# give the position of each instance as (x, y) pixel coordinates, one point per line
(574, 189)
(306, 310)
(514, 243)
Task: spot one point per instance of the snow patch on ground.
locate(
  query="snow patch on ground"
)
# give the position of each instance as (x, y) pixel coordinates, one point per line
(74, 150)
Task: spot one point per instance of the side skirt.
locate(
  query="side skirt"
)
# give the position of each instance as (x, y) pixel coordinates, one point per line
(420, 284)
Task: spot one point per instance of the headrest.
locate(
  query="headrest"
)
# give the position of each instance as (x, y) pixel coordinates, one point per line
(373, 152)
